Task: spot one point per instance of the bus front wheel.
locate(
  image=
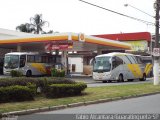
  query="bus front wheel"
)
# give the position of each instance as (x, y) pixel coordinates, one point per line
(120, 78)
(29, 73)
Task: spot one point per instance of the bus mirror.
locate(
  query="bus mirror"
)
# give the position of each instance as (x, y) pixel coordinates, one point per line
(92, 61)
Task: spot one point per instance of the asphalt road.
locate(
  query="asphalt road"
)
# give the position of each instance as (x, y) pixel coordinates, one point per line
(142, 105)
(98, 84)
(146, 104)
(91, 83)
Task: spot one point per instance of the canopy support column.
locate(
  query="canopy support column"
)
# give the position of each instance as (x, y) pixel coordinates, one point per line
(19, 48)
(64, 61)
(99, 51)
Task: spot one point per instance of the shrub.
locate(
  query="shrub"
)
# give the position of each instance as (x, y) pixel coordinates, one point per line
(22, 81)
(42, 83)
(53, 72)
(32, 87)
(60, 81)
(64, 90)
(62, 73)
(16, 73)
(57, 73)
(16, 93)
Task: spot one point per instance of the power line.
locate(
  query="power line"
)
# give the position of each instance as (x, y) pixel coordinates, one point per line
(148, 23)
(126, 5)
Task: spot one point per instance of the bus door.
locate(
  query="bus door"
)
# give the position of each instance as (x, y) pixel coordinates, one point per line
(117, 67)
(22, 61)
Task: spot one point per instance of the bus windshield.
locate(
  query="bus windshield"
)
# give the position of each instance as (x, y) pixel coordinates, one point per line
(11, 61)
(102, 64)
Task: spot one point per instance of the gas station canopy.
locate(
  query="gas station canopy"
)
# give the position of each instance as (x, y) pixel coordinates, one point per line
(60, 41)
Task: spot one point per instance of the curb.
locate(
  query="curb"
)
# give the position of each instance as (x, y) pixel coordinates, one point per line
(52, 108)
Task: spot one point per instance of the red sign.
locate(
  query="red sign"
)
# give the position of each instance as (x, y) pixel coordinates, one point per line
(55, 47)
(59, 45)
(63, 46)
(48, 46)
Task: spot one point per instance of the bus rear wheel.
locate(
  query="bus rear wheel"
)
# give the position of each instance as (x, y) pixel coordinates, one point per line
(143, 78)
(120, 78)
(29, 73)
(104, 81)
(130, 80)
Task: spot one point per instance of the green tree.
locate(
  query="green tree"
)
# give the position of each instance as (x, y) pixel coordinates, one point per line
(35, 26)
(28, 28)
(38, 23)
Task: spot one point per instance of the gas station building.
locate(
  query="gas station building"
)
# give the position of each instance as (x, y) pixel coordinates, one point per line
(74, 46)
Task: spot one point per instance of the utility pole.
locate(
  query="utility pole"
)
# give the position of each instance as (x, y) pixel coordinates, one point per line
(156, 47)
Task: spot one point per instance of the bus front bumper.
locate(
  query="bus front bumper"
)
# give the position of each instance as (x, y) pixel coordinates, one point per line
(101, 76)
(6, 72)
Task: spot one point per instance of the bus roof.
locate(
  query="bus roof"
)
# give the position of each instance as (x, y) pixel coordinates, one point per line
(21, 53)
(113, 54)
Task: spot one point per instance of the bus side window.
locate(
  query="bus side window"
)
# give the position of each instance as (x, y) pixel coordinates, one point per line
(45, 59)
(116, 61)
(139, 60)
(22, 60)
(119, 61)
(31, 58)
(37, 59)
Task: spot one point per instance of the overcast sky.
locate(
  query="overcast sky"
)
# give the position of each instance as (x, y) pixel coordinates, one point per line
(76, 16)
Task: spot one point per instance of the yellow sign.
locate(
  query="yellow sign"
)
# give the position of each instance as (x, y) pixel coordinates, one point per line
(138, 45)
(81, 37)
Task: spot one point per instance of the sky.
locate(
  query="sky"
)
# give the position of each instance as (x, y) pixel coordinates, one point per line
(78, 17)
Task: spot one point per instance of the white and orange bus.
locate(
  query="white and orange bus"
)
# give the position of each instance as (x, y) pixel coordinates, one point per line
(120, 67)
(29, 63)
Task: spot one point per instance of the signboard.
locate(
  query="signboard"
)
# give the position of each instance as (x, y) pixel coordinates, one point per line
(138, 45)
(47, 46)
(58, 45)
(156, 51)
(61, 47)
(54, 47)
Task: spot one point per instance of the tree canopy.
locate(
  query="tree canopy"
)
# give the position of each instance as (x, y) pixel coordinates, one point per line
(35, 26)
(28, 28)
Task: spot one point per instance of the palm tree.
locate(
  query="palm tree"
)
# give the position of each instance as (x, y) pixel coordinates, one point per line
(35, 25)
(38, 23)
(26, 28)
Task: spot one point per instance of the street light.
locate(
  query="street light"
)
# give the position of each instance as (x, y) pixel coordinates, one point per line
(126, 5)
(156, 47)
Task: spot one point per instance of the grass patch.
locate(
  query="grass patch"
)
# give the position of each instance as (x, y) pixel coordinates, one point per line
(94, 93)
